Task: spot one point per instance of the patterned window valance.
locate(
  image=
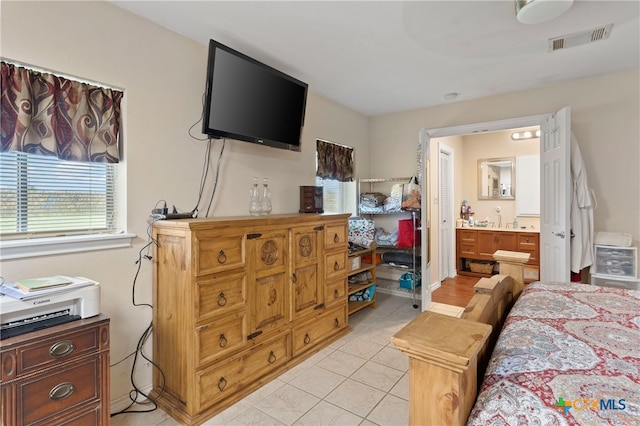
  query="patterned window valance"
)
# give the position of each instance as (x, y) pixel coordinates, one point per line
(334, 161)
(51, 115)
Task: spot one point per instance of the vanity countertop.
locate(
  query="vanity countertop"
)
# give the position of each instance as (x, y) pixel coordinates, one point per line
(480, 228)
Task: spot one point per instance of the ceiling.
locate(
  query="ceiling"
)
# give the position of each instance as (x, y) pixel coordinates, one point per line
(380, 57)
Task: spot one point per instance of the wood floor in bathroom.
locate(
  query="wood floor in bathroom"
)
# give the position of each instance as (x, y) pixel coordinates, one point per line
(456, 291)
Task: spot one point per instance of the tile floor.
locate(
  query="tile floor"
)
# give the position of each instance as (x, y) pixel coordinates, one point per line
(360, 379)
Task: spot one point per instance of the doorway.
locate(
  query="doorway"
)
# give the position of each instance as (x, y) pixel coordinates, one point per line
(555, 190)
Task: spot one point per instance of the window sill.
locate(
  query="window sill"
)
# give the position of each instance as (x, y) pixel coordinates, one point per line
(18, 249)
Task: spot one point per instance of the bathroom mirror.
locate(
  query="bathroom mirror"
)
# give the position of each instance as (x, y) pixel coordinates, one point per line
(496, 178)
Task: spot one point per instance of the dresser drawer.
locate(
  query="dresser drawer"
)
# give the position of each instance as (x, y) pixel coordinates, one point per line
(335, 236)
(218, 253)
(267, 356)
(335, 265)
(221, 293)
(220, 337)
(64, 347)
(218, 381)
(468, 236)
(528, 243)
(336, 292)
(307, 335)
(468, 250)
(226, 377)
(46, 395)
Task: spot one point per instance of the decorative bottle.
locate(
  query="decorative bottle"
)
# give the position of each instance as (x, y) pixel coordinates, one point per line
(254, 199)
(266, 198)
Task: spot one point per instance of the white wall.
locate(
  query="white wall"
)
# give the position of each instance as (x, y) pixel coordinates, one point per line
(163, 76)
(492, 145)
(605, 113)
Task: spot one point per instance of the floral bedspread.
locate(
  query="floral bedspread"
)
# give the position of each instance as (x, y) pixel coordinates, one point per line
(569, 354)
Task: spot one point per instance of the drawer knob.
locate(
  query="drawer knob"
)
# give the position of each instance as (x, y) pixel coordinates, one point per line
(307, 339)
(222, 257)
(60, 349)
(294, 278)
(272, 357)
(222, 383)
(336, 294)
(336, 266)
(61, 391)
(336, 322)
(223, 341)
(336, 238)
(222, 300)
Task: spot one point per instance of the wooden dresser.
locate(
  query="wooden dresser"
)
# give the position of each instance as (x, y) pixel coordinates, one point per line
(57, 376)
(479, 244)
(237, 301)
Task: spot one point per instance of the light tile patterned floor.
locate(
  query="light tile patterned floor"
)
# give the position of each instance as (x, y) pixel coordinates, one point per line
(360, 379)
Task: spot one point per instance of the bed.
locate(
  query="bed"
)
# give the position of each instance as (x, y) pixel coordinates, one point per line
(567, 354)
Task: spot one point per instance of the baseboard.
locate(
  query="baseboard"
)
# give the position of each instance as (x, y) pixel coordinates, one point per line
(123, 402)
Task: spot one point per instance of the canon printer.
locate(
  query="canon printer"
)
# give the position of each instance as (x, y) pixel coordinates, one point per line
(34, 313)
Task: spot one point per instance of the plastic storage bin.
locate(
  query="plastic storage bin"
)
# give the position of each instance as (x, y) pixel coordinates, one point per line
(604, 281)
(406, 281)
(613, 261)
(365, 295)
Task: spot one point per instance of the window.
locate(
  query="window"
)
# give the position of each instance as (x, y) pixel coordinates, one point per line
(334, 173)
(337, 197)
(45, 196)
(58, 164)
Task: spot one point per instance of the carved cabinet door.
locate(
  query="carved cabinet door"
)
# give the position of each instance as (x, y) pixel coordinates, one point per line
(306, 283)
(268, 289)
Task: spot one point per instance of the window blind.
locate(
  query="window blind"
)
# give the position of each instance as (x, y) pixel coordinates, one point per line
(46, 196)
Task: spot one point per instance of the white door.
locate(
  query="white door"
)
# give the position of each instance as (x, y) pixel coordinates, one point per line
(425, 218)
(555, 196)
(445, 216)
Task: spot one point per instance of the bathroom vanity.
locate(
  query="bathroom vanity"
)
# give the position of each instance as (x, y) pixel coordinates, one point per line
(475, 248)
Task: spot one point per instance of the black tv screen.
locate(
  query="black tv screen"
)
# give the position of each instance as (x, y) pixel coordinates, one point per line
(250, 101)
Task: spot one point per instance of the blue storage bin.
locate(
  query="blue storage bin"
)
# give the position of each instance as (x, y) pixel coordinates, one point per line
(406, 280)
(365, 295)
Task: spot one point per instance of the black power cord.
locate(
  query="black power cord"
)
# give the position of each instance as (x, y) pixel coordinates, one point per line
(206, 164)
(136, 392)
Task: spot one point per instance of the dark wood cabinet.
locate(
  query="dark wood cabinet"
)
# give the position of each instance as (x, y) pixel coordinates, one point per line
(311, 199)
(57, 376)
(489, 242)
(480, 244)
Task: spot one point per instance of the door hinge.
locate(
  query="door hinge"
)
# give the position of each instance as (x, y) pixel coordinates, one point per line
(319, 228)
(254, 335)
(253, 236)
(320, 306)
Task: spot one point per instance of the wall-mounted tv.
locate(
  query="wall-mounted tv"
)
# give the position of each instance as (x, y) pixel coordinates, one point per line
(250, 101)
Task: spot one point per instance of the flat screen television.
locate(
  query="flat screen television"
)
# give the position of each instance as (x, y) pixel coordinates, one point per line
(250, 101)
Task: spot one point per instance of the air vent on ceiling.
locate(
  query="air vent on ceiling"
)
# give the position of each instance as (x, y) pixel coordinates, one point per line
(577, 39)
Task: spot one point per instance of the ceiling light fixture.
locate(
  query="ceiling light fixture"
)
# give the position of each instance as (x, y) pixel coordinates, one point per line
(527, 134)
(540, 11)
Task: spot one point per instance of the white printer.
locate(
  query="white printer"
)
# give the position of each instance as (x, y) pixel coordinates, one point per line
(19, 316)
